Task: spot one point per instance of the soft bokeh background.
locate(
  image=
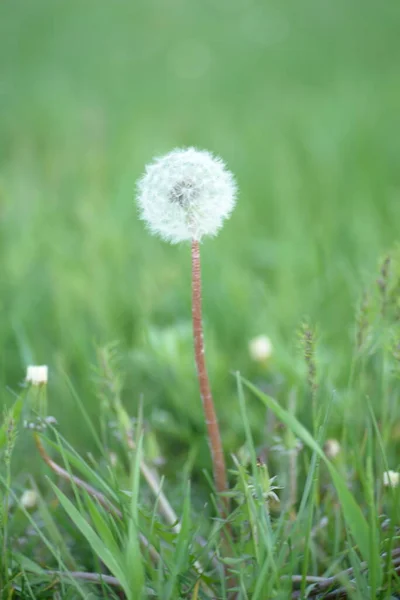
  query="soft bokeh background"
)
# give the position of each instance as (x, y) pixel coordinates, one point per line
(301, 99)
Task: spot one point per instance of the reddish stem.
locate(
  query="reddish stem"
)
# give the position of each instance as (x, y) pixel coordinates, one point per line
(214, 436)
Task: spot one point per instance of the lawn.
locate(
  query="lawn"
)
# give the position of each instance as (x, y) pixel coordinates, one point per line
(301, 100)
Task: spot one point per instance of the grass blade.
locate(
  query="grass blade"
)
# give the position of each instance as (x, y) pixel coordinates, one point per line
(355, 519)
(109, 559)
(133, 558)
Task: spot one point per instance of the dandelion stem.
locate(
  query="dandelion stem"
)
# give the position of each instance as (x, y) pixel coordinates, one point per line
(214, 436)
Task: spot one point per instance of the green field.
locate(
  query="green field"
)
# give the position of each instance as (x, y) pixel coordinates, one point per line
(301, 99)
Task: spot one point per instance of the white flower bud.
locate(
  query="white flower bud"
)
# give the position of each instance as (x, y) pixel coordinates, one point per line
(185, 195)
(37, 375)
(29, 499)
(391, 478)
(113, 457)
(332, 448)
(260, 348)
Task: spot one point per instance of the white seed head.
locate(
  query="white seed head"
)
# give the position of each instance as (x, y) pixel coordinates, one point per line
(37, 375)
(391, 478)
(260, 348)
(185, 195)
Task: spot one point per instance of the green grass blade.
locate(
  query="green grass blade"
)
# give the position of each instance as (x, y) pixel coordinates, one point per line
(85, 415)
(102, 527)
(95, 542)
(27, 565)
(47, 543)
(133, 559)
(181, 553)
(15, 414)
(75, 460)
(355, 519)
(53, 531)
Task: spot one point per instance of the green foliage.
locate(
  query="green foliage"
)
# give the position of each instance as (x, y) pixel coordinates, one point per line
(271, 543)
(353, 515)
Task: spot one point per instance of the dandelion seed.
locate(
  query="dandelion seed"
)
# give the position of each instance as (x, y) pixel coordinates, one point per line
(37, 375)
(391, 478)
(260, 348)
(186, 195)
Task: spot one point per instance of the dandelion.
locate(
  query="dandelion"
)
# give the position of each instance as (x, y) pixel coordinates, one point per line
(391, 478)
(332, 448)
(29, 499)
(37, 375)
(260, 348)
(184, 196)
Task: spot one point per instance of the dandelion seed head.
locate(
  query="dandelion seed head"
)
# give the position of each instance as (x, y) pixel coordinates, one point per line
(186, 195)
(260, 348)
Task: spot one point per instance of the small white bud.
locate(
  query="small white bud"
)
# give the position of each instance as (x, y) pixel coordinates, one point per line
(260, 348)
(37, 375)
(391, 478)
(29, 499)
(332, 448)
(113, 457)
(185, 195)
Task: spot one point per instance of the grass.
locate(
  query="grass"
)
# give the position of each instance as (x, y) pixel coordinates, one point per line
(301, 100)
(114, 518)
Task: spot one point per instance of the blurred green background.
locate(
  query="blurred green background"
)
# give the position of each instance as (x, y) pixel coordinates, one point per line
(301, 99)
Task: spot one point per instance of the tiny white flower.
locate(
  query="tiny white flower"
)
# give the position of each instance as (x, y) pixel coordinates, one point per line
(37, 375)
(260, 348)
(29, 499)
(332, 448)
(185, 195)
(391, 478)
